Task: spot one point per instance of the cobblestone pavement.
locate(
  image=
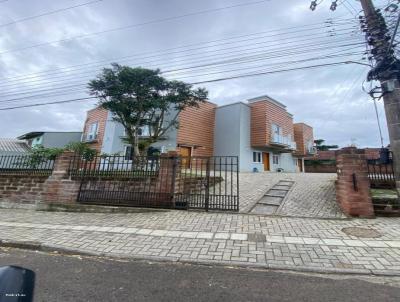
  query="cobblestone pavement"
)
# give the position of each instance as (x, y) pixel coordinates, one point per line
(234, 239)
(313, 194)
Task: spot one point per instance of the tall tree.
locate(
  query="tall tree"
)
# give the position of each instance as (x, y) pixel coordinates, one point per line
(140, 97)
(319, 144)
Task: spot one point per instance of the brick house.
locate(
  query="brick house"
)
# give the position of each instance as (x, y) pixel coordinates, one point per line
(261, 132)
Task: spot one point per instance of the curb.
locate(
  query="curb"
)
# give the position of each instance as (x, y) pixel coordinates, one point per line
(36, 246)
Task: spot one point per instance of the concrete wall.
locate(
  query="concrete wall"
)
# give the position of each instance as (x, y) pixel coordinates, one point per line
(232, 135)
(60, 139)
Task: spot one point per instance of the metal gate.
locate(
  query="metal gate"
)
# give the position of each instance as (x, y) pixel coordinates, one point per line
(208, 183)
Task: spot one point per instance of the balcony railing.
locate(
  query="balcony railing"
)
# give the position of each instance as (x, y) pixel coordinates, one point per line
(90, 137)
(283, 140)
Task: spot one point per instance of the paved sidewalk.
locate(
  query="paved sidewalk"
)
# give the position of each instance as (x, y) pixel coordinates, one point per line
(281, 243)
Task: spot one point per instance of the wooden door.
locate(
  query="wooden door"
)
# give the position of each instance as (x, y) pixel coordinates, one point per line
(186, 153)
(266, 161)
(300, 164)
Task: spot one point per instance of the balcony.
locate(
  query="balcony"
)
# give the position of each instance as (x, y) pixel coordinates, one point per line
(283, 141)
(89, 138)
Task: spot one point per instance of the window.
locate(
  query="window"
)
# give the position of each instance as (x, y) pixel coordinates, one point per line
(275, 159)
(256, 157)
(144, 131)
(276, 129)
(93, 129)
(128, 153)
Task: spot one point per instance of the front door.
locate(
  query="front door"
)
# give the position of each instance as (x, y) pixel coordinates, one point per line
(186, 153)
(300, 164)
(266, 161)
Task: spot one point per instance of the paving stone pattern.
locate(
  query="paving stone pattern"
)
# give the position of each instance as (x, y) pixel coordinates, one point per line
(273, 199)
(312, 195)
(298, 243)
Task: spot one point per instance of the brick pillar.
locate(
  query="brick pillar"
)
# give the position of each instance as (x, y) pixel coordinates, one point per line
(169, 174)
(59, 187)
(353, 186)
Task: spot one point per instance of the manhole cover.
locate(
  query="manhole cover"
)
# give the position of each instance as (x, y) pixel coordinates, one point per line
(362, 232)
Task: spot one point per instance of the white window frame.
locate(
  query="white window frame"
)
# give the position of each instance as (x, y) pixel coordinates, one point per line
(93, 131)
(275, 156)
(276, 129)
(258, 156)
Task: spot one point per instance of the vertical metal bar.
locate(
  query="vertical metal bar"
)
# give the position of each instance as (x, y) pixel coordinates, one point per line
(207, 197)
(237, 184)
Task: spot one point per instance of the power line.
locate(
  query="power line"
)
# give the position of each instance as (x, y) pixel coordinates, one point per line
(195, 83)
(48, 93)
(135, 25)
(316, 26)
(48, 13)
(273, 53)
(224, 53)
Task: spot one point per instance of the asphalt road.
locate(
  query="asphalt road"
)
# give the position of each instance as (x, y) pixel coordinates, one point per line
(72, 278)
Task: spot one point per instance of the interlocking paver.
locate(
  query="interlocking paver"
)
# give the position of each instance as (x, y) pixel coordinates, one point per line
(175, 235)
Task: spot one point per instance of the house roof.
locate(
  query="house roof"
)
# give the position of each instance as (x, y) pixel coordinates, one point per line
(34, 134)
(30, 135)
(13, 145)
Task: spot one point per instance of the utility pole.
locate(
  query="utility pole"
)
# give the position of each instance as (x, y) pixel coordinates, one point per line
(387, 72)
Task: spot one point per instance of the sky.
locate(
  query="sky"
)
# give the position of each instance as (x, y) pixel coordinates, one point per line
(192, 41)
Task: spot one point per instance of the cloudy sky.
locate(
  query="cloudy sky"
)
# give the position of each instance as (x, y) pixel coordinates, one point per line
(52, 57)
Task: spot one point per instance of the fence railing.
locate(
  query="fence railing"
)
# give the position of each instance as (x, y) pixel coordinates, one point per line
(26, 165)
(114, 166)
(209, 183)
(381, 174)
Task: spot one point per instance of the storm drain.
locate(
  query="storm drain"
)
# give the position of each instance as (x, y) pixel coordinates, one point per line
(273, 199)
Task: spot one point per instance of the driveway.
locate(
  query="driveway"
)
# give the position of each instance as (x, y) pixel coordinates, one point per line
(311, 195)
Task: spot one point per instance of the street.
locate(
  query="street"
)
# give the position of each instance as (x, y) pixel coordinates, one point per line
(76, 278)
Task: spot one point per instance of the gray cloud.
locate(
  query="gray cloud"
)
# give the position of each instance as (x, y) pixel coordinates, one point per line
(326, 98)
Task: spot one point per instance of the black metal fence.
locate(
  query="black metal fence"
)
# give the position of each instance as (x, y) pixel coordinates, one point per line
(26, 165)
(381, 173)
(116, 166)
(209, 183)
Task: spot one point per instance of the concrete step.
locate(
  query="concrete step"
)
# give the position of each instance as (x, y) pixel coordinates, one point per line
(271, 200)
(264, 209)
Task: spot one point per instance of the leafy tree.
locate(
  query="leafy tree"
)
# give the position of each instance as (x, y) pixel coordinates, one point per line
(140, 97)
(82, 149)
(319, 144)
(39, 155)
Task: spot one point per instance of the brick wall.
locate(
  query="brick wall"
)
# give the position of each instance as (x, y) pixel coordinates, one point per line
(302, 134)
(320, 169)
(352, 185)
(263, 115)
(21, 188)
(96, 115)
(196, 129)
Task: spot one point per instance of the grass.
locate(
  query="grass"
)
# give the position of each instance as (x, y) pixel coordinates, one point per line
(383, 194)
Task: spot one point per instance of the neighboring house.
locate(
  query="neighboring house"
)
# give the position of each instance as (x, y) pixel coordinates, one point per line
(50, 139)
(325, 161)
(10, 146)
(193, 137)
(261, 132)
